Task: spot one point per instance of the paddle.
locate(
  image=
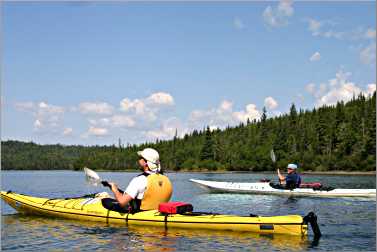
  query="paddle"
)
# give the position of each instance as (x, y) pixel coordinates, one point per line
(273, 158)
(94, 179)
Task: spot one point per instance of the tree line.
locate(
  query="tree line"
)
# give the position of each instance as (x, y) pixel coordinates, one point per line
(336, 137)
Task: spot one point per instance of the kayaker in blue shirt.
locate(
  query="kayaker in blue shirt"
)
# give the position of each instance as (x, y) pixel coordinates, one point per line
(292, 180)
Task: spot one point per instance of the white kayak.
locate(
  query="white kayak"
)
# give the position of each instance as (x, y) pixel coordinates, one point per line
(270, 188)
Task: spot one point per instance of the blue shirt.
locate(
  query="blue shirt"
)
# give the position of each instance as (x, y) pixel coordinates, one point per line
(293, 180)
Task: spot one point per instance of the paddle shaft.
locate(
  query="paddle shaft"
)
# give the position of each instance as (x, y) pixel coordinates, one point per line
(273, 158)
(105, 183)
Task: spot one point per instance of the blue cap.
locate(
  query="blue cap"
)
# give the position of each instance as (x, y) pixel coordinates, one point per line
(292, 166)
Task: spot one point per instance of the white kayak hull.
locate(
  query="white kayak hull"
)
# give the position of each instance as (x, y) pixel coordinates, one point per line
(265, 188)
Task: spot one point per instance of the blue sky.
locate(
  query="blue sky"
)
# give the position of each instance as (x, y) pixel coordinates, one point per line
(93, 72)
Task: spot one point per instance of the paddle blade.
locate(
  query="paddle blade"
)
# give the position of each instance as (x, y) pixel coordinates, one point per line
(273, 158)
(92, 177)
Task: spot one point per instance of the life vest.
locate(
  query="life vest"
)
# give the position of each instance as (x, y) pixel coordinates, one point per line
(294, 182)
(159, 190)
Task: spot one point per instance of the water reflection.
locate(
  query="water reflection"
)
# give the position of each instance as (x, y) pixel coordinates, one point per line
(152, 238)
(48, 233)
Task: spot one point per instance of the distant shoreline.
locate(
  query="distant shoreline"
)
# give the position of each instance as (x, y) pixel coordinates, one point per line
(349, 173)
(341, 173)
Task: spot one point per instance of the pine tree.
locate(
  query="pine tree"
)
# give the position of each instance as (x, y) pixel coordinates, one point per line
(207, 152)
(263, 126)
(321, 133)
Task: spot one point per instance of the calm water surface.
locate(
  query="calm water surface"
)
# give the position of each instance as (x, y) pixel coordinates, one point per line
(346, 224)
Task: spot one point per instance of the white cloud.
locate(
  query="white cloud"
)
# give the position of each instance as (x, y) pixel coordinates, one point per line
(269, 17)
(250, 113)
(100, 108)
(344, 92)
(97, 131)
(323, 87)
(371, 88)
(315, 57)
(25, 106)
(368, 54)
(160, 98)
(314, 26)
(361, 33)
(67, 131)
(276, 17)
(238, 24)
(226, 105)
(122, 121)
(46, 116)
(270, 103)
(317, 28)
(115, 121)
(103, 122)
(337, 89)
(38, 124)
(222, 116)
(167, 130)
(199, 119)
(49, 109)
(198, 114)
(328, 29)
(310, 88)
(141, 113)
(138, 106)
(333, 34)
(147, 108)
(140, 109)
(285, 8)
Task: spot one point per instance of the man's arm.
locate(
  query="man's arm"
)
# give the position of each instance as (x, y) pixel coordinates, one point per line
(281, 177)
(122, 198)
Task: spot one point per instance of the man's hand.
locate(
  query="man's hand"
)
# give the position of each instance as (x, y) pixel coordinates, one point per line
(114, 187)
(281, 178)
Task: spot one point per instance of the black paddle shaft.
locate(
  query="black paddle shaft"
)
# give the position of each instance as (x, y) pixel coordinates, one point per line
(105, 183)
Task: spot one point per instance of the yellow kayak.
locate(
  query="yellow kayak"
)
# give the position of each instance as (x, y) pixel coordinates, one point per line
(91, 209)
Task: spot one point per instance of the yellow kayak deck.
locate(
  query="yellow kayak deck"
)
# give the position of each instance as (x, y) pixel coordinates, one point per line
(91, 209)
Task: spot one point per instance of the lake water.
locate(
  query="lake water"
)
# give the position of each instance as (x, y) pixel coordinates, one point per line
(346, 224)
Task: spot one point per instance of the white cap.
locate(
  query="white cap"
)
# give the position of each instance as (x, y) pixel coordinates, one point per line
(152, 157)
(292, 166)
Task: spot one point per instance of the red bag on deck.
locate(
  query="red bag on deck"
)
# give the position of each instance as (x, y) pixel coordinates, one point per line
(175, 207)
(311, 185)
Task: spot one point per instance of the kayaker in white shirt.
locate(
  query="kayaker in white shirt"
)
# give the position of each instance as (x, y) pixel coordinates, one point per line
(147, 190)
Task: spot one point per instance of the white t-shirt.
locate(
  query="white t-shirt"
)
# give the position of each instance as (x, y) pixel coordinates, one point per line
(137, 187)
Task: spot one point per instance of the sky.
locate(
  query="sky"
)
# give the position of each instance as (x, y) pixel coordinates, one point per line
(91, 73)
